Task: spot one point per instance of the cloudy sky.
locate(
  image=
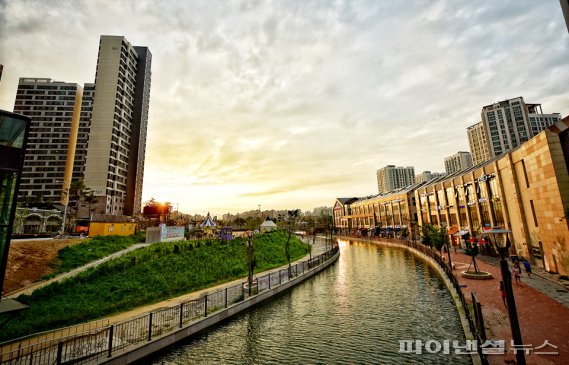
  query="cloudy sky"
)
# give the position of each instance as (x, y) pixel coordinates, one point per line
(290, 104)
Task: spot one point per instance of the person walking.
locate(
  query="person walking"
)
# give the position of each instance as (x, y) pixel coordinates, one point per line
(503, 293)
(527, 266)
(517, 274)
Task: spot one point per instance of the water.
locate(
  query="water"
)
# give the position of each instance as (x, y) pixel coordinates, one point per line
(355, 312)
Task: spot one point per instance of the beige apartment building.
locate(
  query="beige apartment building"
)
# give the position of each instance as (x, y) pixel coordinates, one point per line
(54, 107)
(525, 191)
(478, 143)
(114, 164)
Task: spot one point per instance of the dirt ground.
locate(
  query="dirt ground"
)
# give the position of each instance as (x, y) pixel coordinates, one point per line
(28, 261)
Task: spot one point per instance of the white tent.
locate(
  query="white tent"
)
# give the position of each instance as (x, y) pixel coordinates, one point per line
(268, 225)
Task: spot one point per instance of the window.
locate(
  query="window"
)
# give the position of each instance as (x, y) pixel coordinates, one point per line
(533, 212)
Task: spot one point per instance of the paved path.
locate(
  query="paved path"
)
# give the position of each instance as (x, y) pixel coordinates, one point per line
(30, 288)
(541, 317)
(547, 283)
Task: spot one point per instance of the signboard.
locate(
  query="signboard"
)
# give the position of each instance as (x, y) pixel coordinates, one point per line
(175, 233)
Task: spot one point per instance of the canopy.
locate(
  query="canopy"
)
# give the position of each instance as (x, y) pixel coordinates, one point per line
(460, 233)
(208, 221)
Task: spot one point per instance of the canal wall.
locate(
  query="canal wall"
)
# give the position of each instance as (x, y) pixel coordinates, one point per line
(419, 252)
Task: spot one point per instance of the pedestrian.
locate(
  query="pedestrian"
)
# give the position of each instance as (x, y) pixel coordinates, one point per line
(527, 266)
(517, 274)
(503, 293)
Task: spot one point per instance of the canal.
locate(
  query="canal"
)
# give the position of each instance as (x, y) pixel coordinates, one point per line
(355, 312)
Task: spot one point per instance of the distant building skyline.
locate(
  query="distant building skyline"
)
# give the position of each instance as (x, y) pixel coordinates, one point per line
(428, 176)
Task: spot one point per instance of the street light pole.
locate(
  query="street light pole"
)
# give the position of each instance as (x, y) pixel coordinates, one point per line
(503, 247)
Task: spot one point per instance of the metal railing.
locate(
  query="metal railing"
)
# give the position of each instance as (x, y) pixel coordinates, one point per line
(103, 342)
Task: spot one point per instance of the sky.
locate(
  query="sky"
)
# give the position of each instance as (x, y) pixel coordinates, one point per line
(291, 104)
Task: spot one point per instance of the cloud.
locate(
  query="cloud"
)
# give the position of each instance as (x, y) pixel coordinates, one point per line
(298, 102)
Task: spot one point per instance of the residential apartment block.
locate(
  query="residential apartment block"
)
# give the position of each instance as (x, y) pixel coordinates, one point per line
(458, 162)
(95, 133)
(114, 164)
(507, 124)
(54, 108)
(390, 178)
(428, 176)
(478, 142)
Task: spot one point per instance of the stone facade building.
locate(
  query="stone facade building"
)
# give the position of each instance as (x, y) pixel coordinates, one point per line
(525, 191)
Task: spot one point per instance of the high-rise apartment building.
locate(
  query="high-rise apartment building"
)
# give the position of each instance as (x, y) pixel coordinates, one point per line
(83, 133)
(114, 164)
(506, 125)
(391, 177)
(458, 162)
(565, 10)
(54, 108)
(428, 176)
(478, 143)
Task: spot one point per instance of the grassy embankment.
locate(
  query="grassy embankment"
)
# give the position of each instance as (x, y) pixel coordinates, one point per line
(145, 276)
(92, 249)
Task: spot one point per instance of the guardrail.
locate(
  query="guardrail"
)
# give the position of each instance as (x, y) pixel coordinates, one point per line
(103, 342)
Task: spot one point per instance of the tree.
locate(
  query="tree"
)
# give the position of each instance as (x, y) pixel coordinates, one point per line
(90, 199)
(291, 224)
(156, 210)
(472, 250)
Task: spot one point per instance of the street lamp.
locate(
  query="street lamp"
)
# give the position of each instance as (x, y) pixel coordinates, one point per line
(502, 243)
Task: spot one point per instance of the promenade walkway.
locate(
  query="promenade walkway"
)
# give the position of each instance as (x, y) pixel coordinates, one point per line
(542, 317)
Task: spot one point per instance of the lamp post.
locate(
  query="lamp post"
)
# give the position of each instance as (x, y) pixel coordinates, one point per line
(502, 243)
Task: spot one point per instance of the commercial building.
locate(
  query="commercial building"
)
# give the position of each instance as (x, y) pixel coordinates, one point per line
(390, 178)
(114, 165)
(428, 176)
(525, 190)
(54, 108)
(458, 162)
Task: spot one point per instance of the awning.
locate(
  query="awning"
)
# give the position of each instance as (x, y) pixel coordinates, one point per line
(460, 233)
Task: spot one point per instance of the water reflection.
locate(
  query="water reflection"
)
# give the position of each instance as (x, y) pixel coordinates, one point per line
(353, 313)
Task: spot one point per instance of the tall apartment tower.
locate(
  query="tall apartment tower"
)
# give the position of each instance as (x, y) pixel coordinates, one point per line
(507, 124)
(54, 108)
(458, 162)
(478, 143)
(391, 177)
(114, 164)
(83, 133)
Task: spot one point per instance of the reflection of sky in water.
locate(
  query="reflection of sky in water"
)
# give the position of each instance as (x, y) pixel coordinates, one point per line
(355, 312)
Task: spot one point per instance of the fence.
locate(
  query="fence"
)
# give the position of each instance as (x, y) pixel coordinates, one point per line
(479, 335)
(103, 342)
